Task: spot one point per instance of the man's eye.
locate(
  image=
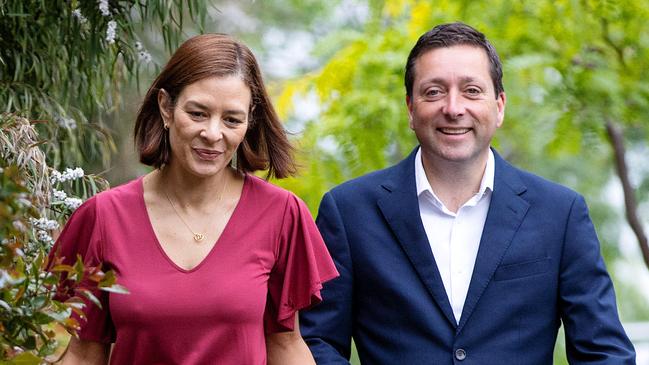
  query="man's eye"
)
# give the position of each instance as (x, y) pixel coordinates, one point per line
(433, 92)
(473, 91)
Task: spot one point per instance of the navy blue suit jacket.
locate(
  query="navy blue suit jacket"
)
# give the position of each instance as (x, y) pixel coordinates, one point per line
(538, 265)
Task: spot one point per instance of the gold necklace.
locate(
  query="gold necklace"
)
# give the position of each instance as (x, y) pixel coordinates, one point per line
(198, 237)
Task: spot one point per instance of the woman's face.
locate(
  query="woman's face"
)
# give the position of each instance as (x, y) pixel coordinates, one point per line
(207, 124)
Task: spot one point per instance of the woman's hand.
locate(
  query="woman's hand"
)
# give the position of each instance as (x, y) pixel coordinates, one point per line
(288, 348)
(85, 352)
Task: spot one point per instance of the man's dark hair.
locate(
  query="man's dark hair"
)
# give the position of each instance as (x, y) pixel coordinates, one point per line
(454, 34)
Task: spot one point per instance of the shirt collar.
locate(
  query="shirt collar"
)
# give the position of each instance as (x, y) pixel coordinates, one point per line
(422, 184)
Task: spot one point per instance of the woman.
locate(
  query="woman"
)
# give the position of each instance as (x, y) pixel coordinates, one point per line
(216, 260)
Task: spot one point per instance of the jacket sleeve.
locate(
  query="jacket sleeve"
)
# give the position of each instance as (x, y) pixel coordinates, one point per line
(594, 334)
(327, 328)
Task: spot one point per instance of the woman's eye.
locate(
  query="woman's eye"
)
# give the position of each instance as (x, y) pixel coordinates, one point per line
(233, 121)
(196, 115)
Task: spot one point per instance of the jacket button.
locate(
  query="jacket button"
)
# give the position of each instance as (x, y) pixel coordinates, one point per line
(460, 354)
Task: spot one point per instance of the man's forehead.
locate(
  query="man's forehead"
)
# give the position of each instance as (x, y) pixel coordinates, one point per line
(454, 59)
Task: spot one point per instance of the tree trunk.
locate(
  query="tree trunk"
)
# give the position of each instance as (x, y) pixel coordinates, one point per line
(631, 205)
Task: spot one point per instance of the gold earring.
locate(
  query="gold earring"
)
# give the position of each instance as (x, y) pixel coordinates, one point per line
(165, 126)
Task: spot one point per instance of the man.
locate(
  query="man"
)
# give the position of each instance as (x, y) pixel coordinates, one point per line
(453, 255)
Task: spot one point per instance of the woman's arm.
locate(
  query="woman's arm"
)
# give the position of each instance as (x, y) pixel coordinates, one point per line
(288, 348)
(86, 353)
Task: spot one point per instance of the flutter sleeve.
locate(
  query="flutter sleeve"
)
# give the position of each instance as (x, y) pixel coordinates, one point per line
(82, 237)
(303, 264)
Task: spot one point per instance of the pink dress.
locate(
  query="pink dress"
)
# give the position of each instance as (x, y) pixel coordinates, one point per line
(269, 262)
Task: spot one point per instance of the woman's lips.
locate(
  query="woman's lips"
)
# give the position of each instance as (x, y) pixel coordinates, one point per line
(207, 154)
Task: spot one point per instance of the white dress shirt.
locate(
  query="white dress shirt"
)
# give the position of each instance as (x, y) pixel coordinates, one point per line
(454, 237)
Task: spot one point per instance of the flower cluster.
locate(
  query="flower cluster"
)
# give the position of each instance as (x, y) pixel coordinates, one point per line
(44, 237)
(77, 14)
(44, 224)
(143, 54)
(68, 174)
(72, 203)
(110, 32)
(59, 195)
(103, 7)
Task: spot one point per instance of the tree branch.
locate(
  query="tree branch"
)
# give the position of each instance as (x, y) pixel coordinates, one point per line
(631, 205)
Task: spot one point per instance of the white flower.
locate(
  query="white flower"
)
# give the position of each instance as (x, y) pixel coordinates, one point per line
(2, 170)
(55, 176)
(110, 32)
(68, 174)
(44, 237)
(77, 14)
(138, 46)
(59, 195)
(72, 203)
(44, 224)
(144, 57)
(103, 7)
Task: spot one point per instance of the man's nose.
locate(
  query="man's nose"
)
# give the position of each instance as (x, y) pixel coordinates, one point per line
(454, 105)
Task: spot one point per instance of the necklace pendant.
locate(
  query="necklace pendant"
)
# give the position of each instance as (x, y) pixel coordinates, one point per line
(198, 237)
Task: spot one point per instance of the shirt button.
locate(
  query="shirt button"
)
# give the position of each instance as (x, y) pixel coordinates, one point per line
(460, 354)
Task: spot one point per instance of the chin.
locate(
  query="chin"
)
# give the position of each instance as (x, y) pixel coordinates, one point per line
(204, 171)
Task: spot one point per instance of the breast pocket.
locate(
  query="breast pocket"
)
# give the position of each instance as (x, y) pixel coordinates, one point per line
(523, 269)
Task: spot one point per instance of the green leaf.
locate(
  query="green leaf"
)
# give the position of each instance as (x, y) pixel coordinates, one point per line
(25, 358)
(116, 288)
(88, 294)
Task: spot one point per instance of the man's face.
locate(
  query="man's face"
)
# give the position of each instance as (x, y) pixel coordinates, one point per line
(453, 109)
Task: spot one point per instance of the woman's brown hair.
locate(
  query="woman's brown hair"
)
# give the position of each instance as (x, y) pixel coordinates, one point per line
(265, 146)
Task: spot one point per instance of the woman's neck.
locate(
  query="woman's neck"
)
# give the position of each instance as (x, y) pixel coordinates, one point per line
(190, 191)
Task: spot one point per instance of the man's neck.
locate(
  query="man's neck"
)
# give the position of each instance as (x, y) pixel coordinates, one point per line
(454, 182)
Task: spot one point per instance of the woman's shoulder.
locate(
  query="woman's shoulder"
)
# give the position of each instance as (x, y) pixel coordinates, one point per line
(122, 191)
(125, 194)
(266, 189)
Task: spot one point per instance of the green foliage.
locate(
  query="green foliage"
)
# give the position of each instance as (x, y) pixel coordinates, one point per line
(64, 63)
(564, 79)
(34, 202)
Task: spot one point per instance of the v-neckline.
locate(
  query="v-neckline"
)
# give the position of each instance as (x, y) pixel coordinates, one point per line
(226, 228)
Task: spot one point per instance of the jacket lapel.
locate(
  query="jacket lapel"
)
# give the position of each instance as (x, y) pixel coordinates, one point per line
(400, 207)
(506, 212)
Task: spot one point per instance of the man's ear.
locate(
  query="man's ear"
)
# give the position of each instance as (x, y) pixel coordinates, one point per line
(409, 105)
(164, 103)
(501, 101)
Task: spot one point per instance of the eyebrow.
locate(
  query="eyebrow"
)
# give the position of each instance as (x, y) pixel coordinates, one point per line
(440, 80)
(196, 104)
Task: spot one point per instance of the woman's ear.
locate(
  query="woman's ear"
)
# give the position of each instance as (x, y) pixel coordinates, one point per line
(165, 105)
